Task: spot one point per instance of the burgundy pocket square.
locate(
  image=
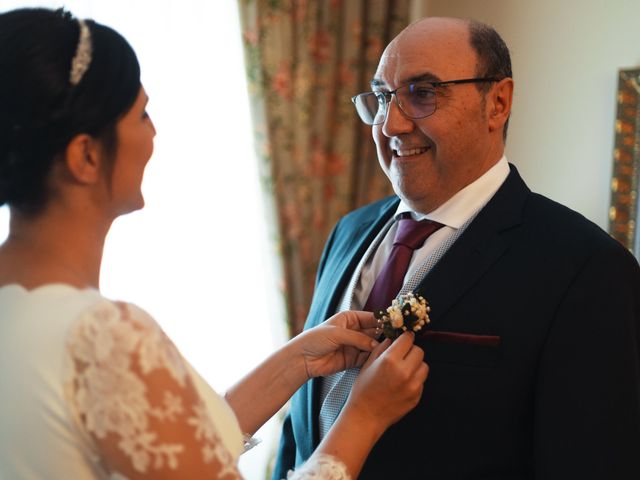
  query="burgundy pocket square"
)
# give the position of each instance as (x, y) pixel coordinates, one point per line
(453, 337)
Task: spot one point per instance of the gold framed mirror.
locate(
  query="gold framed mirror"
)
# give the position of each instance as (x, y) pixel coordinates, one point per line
(623, 213)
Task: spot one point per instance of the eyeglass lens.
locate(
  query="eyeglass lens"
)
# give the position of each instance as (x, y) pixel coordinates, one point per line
(416, 100)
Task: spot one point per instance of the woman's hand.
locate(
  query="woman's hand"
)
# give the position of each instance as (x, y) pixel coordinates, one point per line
(342, 342)
(390, 383)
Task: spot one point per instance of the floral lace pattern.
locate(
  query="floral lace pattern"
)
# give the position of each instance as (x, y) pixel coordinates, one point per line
(132, 394)
(321, 467)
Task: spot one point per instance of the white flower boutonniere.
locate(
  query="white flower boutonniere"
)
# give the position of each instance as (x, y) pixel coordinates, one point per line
(407, 312)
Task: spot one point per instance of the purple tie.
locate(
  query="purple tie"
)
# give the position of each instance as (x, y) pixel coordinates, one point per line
(410, 235)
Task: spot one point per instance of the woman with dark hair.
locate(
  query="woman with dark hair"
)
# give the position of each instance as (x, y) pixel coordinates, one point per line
(92, 388)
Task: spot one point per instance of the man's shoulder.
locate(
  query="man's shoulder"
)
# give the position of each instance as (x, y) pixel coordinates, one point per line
(547, 218)
(567, 227)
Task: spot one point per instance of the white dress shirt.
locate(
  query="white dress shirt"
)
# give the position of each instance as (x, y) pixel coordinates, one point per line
(453, 214)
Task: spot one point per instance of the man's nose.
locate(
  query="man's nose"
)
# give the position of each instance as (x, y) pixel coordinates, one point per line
(396, 122)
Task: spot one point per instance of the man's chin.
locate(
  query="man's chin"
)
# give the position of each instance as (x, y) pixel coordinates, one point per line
(417, 203)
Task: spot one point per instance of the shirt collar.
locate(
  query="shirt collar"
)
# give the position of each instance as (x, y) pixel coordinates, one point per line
(468, 201)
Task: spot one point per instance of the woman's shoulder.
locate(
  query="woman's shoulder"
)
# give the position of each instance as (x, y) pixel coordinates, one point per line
(107, 312)
(134, 395)
(116, 329)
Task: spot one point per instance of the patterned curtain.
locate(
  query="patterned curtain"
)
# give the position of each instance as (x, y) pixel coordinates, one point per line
(305, 59)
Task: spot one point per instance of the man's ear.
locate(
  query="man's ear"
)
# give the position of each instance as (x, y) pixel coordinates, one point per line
(83, 158)
(499, 106)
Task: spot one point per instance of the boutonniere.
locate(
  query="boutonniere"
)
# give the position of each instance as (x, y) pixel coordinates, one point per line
(408, 312)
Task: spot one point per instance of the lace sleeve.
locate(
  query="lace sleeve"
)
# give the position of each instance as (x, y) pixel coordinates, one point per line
(133, 398)
(324, 467)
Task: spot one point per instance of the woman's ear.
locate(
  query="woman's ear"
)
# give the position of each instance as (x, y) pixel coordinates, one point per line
(82, 158)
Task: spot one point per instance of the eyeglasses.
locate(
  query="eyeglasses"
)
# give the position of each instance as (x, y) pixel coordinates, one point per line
(415, 100)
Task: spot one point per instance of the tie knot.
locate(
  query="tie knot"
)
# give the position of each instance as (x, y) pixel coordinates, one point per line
(413, 233)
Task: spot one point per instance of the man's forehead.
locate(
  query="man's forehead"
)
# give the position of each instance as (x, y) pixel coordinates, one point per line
(438, 53)
(401, 68)
(398, 69)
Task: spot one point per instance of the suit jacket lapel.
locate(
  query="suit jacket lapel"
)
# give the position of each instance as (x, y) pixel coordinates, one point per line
(349, 245)
(477, 249)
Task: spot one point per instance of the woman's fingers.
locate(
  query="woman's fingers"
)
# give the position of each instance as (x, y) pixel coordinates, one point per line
(371, 332)
(365, 319)
(401, 346)
(377, 351)
(361, 358)
(414, 356)
(354, 320)
(423, 372)
(352, 338)
(393, 376)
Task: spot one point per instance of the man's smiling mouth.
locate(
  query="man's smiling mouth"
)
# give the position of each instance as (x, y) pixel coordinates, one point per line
(408, 152)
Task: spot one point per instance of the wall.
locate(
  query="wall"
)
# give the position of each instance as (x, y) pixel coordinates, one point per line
(566, 54)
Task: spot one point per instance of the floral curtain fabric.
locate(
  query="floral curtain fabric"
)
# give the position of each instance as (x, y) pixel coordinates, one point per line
(305, 59)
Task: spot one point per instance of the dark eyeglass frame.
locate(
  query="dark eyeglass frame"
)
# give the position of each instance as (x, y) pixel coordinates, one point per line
(387, 96)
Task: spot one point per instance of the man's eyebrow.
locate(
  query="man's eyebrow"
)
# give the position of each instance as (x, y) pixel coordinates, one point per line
(423, 77)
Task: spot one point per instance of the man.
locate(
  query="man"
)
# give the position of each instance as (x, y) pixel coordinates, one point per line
(537, 373)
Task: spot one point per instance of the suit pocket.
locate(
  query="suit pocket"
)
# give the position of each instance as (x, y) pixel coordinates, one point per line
(460, 348)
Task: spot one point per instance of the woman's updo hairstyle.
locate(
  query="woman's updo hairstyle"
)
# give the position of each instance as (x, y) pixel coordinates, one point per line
(41, 110)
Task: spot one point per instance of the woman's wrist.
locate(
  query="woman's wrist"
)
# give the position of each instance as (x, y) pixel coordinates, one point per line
(352, 437)
(295, 368)
(368, 424)
(276, 379)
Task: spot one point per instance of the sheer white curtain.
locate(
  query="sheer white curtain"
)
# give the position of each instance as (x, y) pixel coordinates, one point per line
(196, 256)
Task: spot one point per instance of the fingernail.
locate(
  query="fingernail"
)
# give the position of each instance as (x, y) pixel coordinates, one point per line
(374, 343)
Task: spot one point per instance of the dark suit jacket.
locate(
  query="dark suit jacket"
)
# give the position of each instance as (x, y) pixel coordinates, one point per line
(557, 397)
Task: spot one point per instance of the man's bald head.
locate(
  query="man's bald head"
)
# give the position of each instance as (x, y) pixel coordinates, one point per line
(446, 98)
(493, 57)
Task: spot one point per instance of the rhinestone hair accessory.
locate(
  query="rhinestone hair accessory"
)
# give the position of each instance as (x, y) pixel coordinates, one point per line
(82, 59)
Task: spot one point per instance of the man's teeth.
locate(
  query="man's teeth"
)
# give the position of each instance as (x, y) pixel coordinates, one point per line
(412, 151)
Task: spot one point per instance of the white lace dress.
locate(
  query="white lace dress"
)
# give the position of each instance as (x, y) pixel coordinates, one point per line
(93, 389)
